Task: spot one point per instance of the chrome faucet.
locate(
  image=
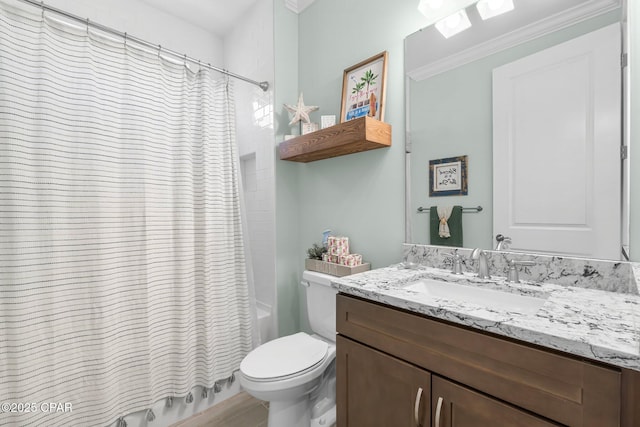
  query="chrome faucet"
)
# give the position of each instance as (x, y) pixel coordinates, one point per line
(483, 265)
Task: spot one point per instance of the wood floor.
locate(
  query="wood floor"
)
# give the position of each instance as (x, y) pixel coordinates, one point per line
(241, 410)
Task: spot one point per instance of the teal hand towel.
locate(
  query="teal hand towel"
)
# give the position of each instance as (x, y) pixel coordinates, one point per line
(455, 227)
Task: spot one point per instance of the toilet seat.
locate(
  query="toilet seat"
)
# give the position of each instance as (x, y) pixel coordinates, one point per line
(284, 358)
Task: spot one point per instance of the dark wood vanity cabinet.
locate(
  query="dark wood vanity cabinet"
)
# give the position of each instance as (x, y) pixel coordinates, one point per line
(382, 390)
(397, 368)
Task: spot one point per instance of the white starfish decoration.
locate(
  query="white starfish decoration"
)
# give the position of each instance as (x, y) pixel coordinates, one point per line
(300, 111)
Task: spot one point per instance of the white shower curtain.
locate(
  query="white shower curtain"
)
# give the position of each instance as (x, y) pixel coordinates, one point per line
(122, 270)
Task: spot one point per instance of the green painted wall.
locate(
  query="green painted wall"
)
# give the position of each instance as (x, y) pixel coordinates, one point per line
(451, 115)
(359, 195)
(287, 181)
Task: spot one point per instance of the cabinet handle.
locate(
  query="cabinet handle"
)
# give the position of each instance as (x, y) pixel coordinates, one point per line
(438, 410)
(416, 407)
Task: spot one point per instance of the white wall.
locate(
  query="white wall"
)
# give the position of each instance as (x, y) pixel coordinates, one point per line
(140, 20)
(249, 50)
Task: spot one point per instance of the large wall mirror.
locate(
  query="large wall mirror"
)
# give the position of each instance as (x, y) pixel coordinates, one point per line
(484, 85)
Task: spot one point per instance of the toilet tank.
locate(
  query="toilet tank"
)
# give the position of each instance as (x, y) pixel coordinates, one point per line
(321, 303)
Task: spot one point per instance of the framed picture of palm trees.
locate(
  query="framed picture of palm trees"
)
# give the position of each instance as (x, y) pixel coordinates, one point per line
(363, 88)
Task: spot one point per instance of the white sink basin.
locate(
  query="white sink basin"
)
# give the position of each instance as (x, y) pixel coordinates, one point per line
(489, 298)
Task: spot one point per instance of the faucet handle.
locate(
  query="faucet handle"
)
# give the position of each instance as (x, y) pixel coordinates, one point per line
(502, 242)
(457, 261)
(513, 269)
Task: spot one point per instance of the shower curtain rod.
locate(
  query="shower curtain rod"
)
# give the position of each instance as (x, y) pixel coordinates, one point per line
(263, 85)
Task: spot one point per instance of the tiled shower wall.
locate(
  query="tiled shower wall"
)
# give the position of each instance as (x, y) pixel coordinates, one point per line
(249, 51)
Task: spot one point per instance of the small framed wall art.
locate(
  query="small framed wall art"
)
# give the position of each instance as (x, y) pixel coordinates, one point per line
(448, 177)
(363, 89)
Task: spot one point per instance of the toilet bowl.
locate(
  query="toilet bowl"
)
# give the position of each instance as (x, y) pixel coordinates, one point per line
(296, 373)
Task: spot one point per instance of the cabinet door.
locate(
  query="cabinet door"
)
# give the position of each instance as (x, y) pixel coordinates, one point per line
(456, 406)
(375, 389)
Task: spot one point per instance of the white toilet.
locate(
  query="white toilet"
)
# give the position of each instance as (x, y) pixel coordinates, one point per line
(296, 373)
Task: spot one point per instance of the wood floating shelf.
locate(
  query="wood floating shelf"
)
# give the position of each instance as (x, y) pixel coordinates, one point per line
(354, 136)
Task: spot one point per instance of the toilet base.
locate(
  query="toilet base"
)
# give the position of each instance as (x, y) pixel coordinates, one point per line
(328, 419)
(290, 414)
(298, 414)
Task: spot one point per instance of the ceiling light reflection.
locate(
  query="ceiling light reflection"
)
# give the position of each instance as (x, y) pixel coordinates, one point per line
(452, 25)
(490, 8)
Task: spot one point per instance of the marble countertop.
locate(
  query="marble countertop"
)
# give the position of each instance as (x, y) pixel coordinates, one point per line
(600, 325)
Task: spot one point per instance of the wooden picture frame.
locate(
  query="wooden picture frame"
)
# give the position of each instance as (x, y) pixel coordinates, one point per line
(448, 177)
(363, 89)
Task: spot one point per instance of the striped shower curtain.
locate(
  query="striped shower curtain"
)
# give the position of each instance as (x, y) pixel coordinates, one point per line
(122, 271)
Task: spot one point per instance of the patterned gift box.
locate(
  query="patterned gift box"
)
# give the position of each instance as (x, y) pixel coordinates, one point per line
(351, 260)
(330, 258)
(338, 246)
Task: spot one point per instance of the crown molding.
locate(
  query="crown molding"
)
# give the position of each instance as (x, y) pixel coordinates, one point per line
(524, 34)
(297, 6)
